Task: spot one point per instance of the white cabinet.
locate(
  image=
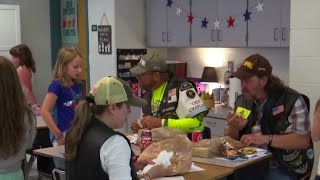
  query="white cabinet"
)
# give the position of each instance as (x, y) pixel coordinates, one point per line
(164, 27)
(220, 10)
(270, 28)
(216, 125)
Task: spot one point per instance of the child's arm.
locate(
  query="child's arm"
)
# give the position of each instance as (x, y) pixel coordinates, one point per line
(47, 106)
(315, 131)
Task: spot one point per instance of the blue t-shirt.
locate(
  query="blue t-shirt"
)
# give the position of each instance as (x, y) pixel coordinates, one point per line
(68, 99)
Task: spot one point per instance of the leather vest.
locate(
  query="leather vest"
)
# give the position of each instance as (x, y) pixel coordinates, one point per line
(87, 164)
(299, 161)
(167, 109)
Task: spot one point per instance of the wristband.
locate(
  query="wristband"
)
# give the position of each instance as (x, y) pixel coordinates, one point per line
(34, 106)
(270, 140)
(150, 178)
(59, 137)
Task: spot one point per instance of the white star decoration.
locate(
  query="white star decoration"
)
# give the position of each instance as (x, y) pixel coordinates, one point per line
(179, 11)
(216, 24)
(259, 7)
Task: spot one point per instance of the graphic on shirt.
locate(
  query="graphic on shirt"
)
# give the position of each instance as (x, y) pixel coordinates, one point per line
(75, 101)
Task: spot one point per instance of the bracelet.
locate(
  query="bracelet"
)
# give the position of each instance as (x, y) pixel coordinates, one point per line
(59, 137)
(270, 140)
(34, 106)
(150, 178)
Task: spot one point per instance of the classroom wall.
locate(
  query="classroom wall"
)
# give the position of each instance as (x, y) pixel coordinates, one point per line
(197, 58)
(305, 55)
(35, 32)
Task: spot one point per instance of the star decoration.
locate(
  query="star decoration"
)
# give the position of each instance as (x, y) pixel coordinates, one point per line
(216, 24)
(247, 15)
(230, 22)
(179, 11)
(204, 23)
(169, 2)
(259, 7)
(190, 18)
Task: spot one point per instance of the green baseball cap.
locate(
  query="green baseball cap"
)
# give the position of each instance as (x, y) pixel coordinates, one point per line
(150, 62)
(110, 90)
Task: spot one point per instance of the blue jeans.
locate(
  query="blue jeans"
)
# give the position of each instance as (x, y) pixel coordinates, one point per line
(276, 173)
(317, 177)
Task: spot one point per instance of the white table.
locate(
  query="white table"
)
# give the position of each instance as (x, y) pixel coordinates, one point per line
(40, 122)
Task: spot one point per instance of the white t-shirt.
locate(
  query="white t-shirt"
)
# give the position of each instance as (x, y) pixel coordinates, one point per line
(115, 155)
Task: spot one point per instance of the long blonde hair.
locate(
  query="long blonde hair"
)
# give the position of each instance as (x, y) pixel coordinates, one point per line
(13, 110)
(65, 56)
(81, 121)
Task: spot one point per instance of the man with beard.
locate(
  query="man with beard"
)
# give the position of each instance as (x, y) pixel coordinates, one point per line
(274, 117)
(172, 103)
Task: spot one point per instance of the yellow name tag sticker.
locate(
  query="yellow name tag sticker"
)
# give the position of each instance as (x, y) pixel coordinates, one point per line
(243, 112)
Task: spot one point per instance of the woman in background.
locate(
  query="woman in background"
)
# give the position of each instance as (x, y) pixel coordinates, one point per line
(64, 94)
(93, 149)
(23, 60)
(17, 123)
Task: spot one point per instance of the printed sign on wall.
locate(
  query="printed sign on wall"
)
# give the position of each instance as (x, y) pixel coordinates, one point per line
(69, 21)
(104, 39)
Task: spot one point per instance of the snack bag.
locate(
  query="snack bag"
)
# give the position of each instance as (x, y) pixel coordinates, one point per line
(230, 152)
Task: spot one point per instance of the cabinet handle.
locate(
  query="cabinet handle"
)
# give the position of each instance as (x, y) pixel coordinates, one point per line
(283, 34)
(213, 32)
(275, 37)
(168, 37)
(163, 36)
(220, 37)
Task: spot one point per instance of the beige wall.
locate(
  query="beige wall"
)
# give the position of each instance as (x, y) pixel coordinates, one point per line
(304, 60)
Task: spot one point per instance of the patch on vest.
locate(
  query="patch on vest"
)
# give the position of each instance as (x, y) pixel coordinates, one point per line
(191, 94)
(185, 85)
(310, 153)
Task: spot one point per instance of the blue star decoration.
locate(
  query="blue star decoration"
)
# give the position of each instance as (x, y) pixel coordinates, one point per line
(247, 15)
(204, 23)
(169, 2)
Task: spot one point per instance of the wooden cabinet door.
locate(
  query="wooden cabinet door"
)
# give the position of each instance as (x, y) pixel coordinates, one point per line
(156, 23)
(201, 36)
(264, 29)
(233, 36)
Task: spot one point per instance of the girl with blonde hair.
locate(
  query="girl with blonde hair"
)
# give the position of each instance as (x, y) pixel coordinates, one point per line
(64, 93)
(17, 123)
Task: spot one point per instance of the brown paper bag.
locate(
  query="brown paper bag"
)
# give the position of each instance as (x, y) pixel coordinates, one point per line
(181, 147)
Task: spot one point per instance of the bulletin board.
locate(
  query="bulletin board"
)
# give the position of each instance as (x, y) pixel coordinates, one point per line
(127, 59)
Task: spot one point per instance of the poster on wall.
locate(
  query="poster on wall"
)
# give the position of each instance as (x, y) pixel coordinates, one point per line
(104, 39)
(69, 21)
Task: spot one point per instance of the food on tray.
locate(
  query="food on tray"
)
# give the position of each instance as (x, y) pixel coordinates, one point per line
(248, 150)
(230, 152)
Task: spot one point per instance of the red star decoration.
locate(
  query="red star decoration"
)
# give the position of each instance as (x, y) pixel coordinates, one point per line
(230, 22)
(190, 18)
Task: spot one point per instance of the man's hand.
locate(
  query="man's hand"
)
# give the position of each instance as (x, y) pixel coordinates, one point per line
(135, 126)
(142, 163)
(252, 139)
(151, 122)
(236, 122)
